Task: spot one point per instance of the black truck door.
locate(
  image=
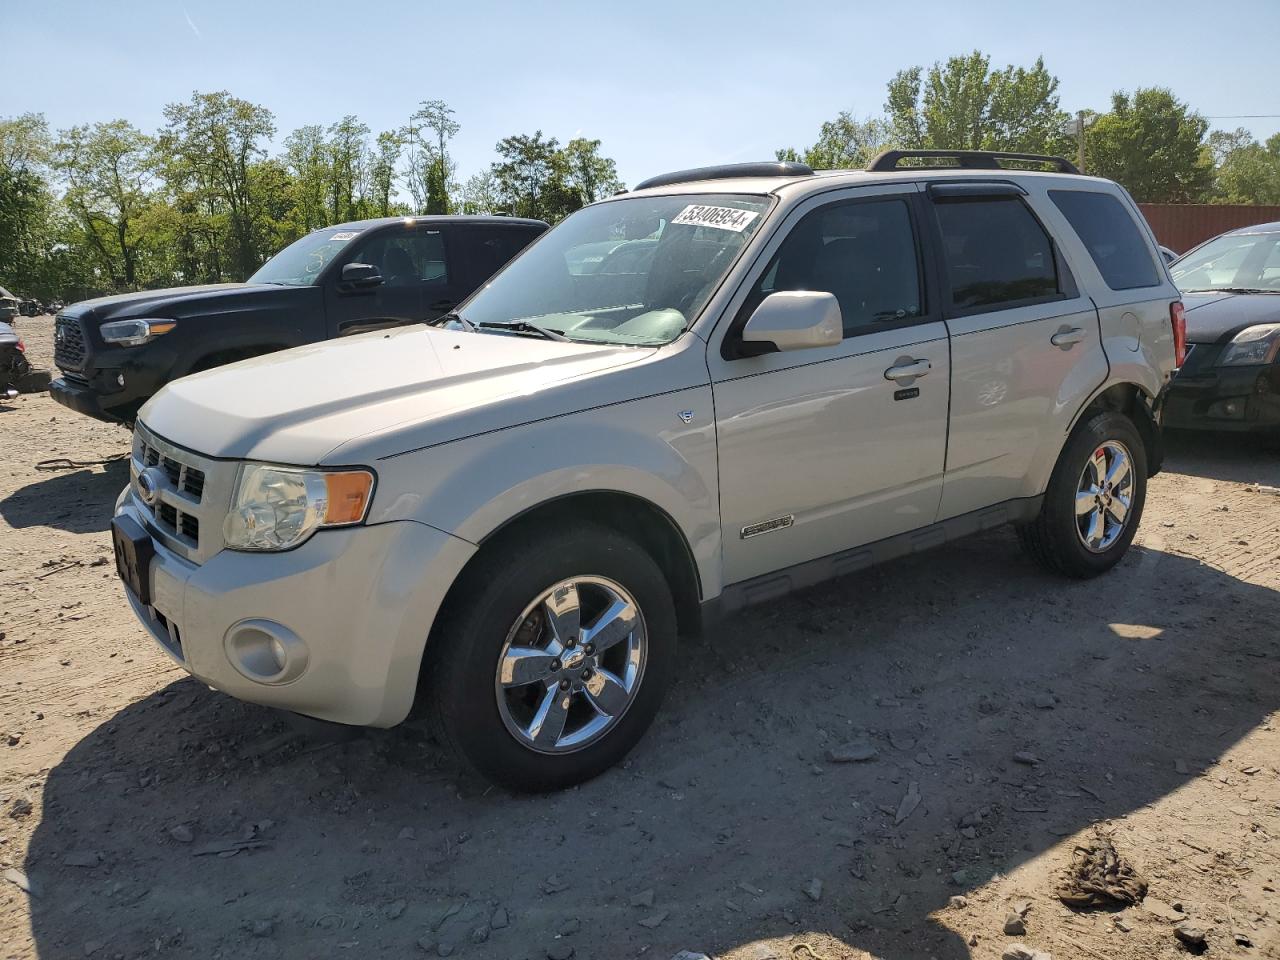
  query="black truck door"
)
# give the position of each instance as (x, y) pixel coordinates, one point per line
(413, 262)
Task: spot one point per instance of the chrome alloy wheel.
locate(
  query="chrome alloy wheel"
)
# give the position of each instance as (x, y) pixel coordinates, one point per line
(571, 665)
(1104, 495)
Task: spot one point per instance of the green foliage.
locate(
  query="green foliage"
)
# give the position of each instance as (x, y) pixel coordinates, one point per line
(1247, 171)
(426, 138)
(1153, 144)
(844, 143)
(532, 178)
(964, 105)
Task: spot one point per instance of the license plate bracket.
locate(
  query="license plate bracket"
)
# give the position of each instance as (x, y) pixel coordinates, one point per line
(134, 551)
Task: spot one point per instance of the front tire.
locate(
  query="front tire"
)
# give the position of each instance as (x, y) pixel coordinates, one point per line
(1094, 501)
(553, 658)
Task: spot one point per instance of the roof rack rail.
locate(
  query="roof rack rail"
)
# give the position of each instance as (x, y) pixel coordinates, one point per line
(965, 160)
(726, 171)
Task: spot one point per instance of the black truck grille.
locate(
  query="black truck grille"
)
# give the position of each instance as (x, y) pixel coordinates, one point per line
(69, 349)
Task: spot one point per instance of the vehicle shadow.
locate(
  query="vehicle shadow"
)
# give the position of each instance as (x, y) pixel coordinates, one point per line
(193, 825)
(79, 501)
(1243, 458)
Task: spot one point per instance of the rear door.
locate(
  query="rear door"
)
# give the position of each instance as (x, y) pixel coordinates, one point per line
(822, 450)
(485, 248)
(1025, 345)
(417, 281)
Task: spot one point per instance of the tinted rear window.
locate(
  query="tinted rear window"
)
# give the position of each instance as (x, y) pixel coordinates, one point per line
(1111, 237)
(997, 254)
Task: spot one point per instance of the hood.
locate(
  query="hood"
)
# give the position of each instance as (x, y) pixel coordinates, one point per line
(7, 335)
(403, 389)
(1220, 316)
(175, 302)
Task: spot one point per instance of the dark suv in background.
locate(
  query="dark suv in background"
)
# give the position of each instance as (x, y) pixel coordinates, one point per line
(115, 352)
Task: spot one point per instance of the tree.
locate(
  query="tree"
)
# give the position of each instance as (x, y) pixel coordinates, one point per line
(348, 169)
(27, 205)
(1247, 171)
(593, 176)
(382, 171)
(533, 178)
(306, 155)
(480, 194)
(429, 167)
(108, 170)
(844, 143)
(208, 146)
(1154, 145)
(964, 105)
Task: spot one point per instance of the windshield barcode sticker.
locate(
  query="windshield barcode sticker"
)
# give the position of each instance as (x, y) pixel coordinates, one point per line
(344, 235)
(721, 218)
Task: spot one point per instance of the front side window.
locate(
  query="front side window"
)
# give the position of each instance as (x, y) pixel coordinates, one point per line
(1243, 261)
(300, 263)
(406, 259)
(863, 252)
(996, 253)
(1108, 232)
(631, 271)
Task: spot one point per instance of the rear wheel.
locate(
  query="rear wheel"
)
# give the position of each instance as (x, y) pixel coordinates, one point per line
(554, 657)
(1094, 501)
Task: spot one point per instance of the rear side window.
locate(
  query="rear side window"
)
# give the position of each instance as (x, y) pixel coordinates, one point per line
(996, 252)
(1111, 237)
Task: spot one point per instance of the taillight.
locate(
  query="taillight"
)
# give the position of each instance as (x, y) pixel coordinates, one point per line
(1178, 319)
(22, 347)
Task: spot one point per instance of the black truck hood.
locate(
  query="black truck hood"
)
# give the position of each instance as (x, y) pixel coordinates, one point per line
(1220, 316)
(179, 302)
(8, 338)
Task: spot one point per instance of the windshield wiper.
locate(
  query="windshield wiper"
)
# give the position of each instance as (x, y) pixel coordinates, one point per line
(1229, 290)
(524, 326)
(452, 315)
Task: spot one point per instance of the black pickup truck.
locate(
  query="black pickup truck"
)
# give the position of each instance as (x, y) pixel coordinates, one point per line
(115, 352)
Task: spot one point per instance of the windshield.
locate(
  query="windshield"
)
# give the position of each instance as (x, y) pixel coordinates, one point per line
(1249, 261)
(632, 271)
(300, 263)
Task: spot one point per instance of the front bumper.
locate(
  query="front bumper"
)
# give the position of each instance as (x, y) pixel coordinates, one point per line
(359, 600)
(1234, 399)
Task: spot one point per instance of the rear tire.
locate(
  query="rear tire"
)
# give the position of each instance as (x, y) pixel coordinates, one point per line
(1078, 532)
(515, 685)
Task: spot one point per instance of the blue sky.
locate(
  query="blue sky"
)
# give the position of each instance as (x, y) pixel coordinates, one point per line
(664, 85)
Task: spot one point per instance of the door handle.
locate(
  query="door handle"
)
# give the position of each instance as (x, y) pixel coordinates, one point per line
(1067, 338)
(905, 371)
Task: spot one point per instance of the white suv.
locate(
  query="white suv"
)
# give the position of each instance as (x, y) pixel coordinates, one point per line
(722, 386)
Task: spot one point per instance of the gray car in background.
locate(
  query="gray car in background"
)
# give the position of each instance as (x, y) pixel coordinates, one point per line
(8, 306)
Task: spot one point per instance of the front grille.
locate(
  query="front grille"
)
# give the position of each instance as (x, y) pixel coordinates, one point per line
(189, 489)
(69, 348)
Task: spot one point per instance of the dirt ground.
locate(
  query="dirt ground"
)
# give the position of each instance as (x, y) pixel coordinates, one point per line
(1012, 716)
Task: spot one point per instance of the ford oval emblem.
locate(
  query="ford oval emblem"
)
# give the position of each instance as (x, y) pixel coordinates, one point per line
(150, 482)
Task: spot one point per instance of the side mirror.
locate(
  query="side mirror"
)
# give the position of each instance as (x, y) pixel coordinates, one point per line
(793, 320)
(360, 276)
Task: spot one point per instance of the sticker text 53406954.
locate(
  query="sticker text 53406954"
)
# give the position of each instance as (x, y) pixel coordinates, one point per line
(721, 218)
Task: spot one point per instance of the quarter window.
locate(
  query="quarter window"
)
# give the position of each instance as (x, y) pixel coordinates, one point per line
(862, 252)
(996, 252)
(1107, 229)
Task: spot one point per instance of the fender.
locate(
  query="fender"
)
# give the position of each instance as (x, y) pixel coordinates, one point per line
(471, 488)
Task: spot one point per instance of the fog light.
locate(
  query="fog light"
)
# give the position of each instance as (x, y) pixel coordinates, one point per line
(120, 379)
(265, 651)
(1228, 409)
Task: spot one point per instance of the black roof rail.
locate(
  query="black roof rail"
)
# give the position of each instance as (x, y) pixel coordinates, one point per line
(727, 171)
(965, 160)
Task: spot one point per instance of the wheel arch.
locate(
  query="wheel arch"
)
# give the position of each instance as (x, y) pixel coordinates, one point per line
(632, 516)
(209, 359)
(1137, 404)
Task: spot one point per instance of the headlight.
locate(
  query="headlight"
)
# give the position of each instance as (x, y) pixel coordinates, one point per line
(133, 333)
(277, 508)
(1253, 345)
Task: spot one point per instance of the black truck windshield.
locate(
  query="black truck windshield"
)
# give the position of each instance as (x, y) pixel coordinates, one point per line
(300, 263)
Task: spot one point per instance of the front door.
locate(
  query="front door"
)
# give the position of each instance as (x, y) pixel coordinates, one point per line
(416, 282)
(826, 449)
